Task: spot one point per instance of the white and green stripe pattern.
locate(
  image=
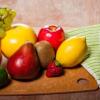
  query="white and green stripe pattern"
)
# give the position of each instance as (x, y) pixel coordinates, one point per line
(92, 33)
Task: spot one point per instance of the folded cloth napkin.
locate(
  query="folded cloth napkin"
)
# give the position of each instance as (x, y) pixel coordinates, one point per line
(92, 62)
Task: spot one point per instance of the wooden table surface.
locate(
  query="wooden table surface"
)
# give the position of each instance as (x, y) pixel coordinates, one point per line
(67, 13)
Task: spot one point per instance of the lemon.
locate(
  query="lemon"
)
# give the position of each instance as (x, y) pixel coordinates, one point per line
(72, 51)
(15, 38)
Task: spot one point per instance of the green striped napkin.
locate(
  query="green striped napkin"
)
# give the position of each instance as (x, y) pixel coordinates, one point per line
(92, 63)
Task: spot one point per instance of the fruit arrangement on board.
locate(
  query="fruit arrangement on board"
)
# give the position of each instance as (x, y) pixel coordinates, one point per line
(29, 54)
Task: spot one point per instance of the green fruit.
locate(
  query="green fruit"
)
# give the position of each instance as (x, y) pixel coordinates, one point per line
(4, 78)
(6, 18)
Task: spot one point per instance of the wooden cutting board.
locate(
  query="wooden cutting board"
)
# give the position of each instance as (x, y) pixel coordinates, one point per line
(73, 80)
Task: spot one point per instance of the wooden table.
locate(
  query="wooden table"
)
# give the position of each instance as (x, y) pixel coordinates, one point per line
(93, 95)
(67, 13)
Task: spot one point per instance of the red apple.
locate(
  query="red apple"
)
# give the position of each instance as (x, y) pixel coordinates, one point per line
(24, 64)
(53, 34)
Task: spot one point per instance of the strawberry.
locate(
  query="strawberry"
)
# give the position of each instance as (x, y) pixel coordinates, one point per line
(54, 69)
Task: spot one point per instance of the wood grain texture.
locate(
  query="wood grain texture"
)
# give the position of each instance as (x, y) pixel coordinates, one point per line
(68, 13)
(73, 80)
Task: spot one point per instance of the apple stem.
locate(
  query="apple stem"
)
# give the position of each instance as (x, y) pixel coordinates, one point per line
(52, 28)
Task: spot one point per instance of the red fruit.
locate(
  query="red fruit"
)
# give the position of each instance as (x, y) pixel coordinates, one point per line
(54, 69)
(53, 34)
(24, 64)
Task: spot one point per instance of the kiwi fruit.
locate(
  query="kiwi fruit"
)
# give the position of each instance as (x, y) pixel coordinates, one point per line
(45, 53)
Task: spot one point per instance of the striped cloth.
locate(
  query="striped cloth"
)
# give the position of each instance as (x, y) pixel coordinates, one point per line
(92, 63)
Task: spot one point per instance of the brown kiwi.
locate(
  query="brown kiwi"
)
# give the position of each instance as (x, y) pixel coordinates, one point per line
(45, 52)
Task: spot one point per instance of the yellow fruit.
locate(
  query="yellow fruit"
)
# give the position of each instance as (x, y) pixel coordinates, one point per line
(72, 51)
(15, 38)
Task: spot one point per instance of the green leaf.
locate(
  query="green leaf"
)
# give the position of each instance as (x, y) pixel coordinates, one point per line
(6, 18)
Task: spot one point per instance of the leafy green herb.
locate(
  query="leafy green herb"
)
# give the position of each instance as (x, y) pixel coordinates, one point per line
(6, 18)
